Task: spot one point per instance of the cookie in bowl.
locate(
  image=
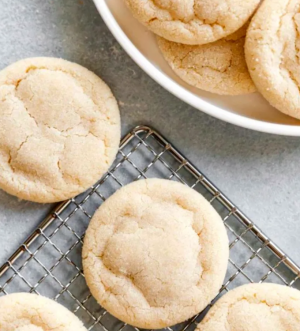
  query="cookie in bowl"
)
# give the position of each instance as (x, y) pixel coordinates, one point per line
(272, 54)
(193, 22)
(219, 67)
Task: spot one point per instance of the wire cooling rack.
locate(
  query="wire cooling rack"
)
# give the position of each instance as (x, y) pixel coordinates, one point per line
(49, 261)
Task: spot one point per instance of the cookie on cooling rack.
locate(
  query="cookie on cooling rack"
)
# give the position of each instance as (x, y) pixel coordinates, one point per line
(193, 22)
(272, 54)
(30, 312)
(59, 129)
(255, 307)
(219, 67)
(155, 253)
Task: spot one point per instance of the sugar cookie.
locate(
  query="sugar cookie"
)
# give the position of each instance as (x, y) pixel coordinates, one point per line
(219, 67)
(30, 312)
(59, 129)
(193, 22)
(272, 54)
(155, 253)
(255, 307)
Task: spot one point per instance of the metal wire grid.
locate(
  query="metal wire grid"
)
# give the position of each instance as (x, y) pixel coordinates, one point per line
(49, 261)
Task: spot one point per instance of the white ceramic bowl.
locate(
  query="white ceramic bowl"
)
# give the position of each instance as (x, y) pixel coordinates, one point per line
(250, 111)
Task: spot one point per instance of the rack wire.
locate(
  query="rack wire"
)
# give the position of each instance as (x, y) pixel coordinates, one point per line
(49, 261)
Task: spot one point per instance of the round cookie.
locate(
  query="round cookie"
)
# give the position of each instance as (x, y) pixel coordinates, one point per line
(155, 253)
(255, 307)
(219, 67)
(193, 22)
(30, 312)
(272, 54)
(59, 129)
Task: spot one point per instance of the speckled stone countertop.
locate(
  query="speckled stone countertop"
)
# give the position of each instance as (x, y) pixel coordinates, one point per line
(258, 172)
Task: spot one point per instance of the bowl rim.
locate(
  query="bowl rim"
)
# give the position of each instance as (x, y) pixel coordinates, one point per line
(180, 92)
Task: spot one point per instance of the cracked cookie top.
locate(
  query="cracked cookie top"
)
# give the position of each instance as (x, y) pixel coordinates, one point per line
(30, 312)
(219, 67)
(255, 307)
(59, 129)
(193, 22)
(29, 328)
(272, 53)
(155, 253)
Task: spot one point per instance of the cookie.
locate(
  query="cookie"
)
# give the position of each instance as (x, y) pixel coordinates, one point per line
(59, 129)
(255, 307)
(219, 67)
(272, 54)
(193, 22)
(30, 312)
(155, 253)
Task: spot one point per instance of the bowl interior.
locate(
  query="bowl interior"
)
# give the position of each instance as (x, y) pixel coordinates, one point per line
(252, 106)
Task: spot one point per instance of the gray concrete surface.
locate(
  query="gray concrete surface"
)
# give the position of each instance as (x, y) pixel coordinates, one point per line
(259, 172)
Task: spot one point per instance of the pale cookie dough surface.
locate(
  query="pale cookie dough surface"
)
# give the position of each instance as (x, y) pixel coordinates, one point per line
(59, 129)
(272, 54)
(253, 307)
(30, 312)
(193, 22)
(219, 67)
(155, 253)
